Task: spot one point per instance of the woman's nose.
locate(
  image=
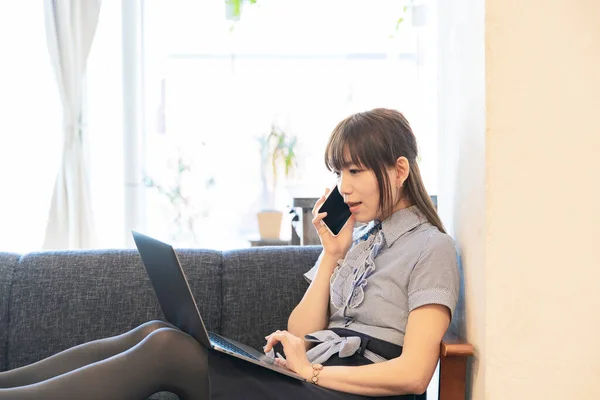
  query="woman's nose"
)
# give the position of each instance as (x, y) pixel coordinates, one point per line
(344, 186)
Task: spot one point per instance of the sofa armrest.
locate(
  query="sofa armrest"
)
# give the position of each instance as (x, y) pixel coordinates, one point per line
(454, 353)
(452, 345)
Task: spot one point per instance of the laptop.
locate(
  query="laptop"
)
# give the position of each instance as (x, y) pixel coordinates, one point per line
(180, 309)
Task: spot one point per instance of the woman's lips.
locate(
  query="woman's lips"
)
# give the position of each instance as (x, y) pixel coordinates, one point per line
(354, 207)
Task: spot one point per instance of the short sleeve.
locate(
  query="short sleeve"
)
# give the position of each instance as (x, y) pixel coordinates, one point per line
(310, 275)
(435, 278)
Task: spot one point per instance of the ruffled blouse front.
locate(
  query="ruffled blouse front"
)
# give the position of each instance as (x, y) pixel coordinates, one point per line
(349, 280)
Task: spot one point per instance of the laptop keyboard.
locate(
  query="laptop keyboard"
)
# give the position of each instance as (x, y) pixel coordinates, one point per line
(217, 340)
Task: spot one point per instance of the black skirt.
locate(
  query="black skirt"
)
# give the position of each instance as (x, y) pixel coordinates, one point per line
(235, 379)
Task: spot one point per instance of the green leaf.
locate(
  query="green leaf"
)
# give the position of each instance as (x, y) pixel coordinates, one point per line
(400, 20)
(237, 6)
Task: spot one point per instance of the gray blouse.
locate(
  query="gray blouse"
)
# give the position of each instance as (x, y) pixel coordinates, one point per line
(390, 271)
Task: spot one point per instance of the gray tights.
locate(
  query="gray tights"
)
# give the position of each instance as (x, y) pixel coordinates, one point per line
(150, 358)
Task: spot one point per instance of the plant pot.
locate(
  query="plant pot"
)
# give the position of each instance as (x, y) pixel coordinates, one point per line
(269, 224)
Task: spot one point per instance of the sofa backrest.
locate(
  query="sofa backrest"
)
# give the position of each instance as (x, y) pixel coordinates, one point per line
(261, 286)
(8, 263)
(61, 299)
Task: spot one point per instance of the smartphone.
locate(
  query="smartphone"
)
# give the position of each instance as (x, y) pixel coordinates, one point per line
(337, 211)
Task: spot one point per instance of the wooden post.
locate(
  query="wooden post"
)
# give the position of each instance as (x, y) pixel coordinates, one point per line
(453, 376)
(454, 353)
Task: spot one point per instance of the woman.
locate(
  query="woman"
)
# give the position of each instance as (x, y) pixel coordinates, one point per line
(370, 324)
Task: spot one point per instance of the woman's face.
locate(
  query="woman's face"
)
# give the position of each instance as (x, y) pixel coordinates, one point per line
(360, 190)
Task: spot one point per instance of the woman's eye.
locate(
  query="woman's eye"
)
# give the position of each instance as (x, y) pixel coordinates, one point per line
(355, 171)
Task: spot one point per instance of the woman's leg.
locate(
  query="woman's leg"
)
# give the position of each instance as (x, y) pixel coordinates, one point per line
(167, 359)
(77, 357)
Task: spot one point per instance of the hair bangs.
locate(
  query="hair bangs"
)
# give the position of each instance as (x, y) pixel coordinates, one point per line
(344, 147)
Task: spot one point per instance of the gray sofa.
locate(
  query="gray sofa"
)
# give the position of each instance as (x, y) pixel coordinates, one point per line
(50, 301)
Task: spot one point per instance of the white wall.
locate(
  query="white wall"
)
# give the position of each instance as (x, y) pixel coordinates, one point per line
(462, 200)
(518, 189)
(543, 209)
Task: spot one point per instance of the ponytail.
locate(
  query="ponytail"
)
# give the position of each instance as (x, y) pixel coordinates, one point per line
(416, 192)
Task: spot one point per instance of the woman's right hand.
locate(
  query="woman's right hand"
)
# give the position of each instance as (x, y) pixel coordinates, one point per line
(335, 246)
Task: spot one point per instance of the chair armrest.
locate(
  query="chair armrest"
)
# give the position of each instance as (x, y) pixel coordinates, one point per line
(453, 367)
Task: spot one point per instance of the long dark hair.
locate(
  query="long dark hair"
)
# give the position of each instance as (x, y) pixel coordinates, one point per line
(374, 140)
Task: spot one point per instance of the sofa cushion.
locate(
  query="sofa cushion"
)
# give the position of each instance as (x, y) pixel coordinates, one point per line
(61, 299)
(252, 309)
(8, 262)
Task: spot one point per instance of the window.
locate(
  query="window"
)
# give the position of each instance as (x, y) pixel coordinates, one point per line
(208, 87)
(30, 134)
(104, 110)
(212, 87)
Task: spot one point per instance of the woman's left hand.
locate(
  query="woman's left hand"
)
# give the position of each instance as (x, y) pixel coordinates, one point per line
(295, 352)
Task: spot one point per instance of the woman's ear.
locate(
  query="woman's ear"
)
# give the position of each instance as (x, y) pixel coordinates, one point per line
(402, 170)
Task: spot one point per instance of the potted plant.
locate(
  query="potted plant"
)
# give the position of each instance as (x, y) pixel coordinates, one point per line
(278, 160)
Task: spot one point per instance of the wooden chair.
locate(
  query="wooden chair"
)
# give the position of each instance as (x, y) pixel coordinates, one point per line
(454, 353)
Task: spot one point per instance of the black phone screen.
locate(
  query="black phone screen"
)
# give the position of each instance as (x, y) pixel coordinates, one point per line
(337, 211)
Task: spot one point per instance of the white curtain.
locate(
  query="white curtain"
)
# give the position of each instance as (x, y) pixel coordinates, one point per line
(70, 28)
